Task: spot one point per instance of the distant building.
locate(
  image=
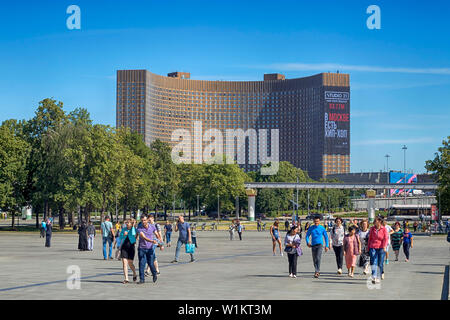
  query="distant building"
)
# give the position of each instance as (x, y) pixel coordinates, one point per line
(378, 177)
(383, 177)
(312, 113)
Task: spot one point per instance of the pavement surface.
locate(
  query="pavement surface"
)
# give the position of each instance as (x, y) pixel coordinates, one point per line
(223, 269)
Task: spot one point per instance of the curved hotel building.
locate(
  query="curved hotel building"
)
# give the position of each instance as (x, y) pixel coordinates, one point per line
(312, 114)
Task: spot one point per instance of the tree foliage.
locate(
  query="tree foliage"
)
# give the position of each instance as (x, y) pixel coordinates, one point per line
(440, 166)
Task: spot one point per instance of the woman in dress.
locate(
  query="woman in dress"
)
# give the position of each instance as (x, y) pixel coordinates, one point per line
(396, 239)
(275, 233)
(82, 237)
(352, 248)
(127, 251)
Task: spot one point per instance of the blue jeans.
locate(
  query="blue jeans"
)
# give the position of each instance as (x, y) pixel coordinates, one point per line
(177, 250)
(105, 240)
(377, 261)
(316, 251)
(168, 235)
(146, 256)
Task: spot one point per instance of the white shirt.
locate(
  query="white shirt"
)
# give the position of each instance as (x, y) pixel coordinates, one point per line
(389, 230)
(337, 237)
(290, 239)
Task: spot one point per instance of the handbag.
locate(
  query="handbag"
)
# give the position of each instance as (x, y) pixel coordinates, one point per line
(289, 249)
(363, 258)
(190, 248)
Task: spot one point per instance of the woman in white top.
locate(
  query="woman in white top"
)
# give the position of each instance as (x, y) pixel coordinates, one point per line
(292, 247)
(337, 234)
(363, 235)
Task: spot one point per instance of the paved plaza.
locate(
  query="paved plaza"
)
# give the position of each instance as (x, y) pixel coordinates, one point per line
(224, 269)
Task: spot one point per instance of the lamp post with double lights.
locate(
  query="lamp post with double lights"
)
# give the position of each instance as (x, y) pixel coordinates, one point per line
(404, 168)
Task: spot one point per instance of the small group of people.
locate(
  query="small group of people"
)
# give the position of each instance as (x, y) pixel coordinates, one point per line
(46, 229)
(148, 235)
(371, 245)
(236, 226)
(86, 235)
(350, 245)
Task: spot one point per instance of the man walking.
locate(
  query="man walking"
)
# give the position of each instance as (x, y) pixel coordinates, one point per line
(146, 250)
(239, 229)
(183, 237)
(107, 237)
(91, 235)
(48, 233)
(317, 233)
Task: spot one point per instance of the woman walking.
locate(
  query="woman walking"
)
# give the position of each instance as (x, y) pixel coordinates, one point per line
(378, 239)
(293, 250)
(407, 243)
(275, 233)
(231, 229)
(82, 237)
(352, 248)
(396, 239)
(337, 234)
(127, 250)
(363, 234)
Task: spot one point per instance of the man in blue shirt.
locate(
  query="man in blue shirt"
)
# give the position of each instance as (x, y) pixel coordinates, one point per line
(317, 234)
(183, 237)
(108, 236)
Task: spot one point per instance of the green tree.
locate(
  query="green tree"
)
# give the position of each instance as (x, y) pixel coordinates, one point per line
(440, 166)
(14, 153)
(48, 117)
(167, 178)
(106, 158)
(274, 200)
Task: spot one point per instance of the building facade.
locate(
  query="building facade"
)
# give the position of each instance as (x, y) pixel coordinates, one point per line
(312, 114)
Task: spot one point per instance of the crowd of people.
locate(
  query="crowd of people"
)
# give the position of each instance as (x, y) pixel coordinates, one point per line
(348, 240)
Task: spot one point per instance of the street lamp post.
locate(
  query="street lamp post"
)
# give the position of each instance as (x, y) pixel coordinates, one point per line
(198, 210)
(308, 202)
(173, 211)
(404, 168)
(117, 213)
(296, 211)
(387, 172)
(218, 210)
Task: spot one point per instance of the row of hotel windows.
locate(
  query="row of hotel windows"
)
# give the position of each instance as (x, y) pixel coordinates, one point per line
(126, 88)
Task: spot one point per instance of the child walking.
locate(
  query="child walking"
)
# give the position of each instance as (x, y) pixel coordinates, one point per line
(407, 243)
(352, 248)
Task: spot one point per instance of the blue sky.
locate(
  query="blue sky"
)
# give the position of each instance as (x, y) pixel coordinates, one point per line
(399, 75)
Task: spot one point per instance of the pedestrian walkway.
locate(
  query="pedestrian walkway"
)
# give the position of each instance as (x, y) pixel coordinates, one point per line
(239, 270)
